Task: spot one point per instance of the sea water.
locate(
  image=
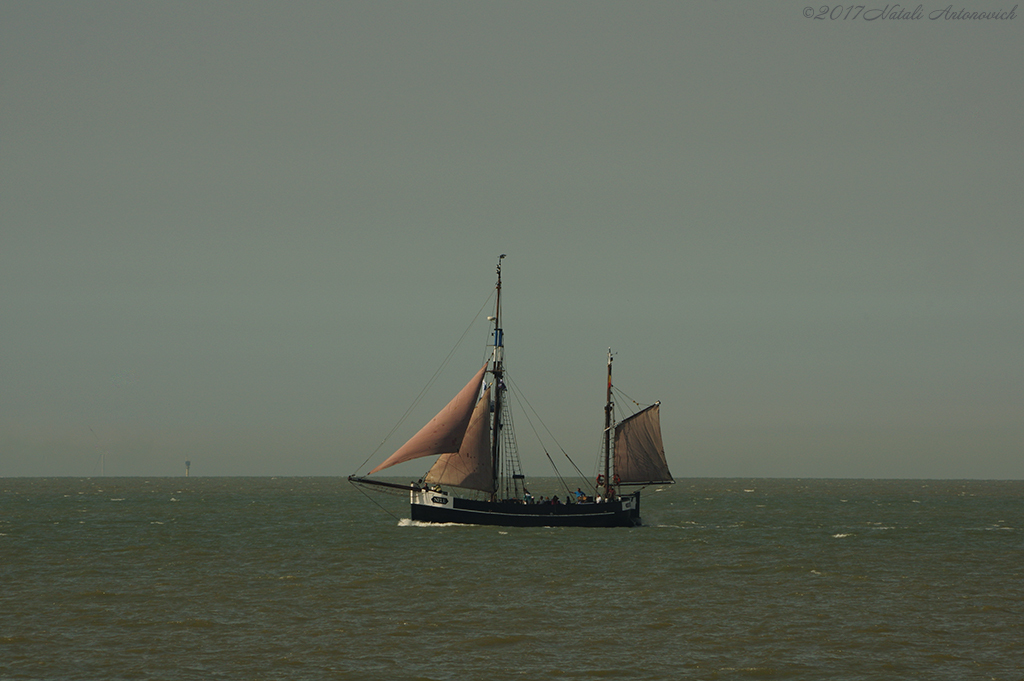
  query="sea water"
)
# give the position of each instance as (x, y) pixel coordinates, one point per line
(308, 578)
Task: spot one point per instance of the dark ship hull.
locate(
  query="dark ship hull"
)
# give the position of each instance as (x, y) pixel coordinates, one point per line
(440, 507)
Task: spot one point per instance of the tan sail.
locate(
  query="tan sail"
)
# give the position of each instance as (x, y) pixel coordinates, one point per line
(471, 466)
(445, 432)
(639, 452)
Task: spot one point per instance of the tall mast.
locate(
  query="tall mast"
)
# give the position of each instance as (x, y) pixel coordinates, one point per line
(496, 371)
(608, 430)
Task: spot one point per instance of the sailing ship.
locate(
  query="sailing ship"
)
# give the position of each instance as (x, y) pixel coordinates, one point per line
(477, 478)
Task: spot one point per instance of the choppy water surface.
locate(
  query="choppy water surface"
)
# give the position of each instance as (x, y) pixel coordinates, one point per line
(305, 578)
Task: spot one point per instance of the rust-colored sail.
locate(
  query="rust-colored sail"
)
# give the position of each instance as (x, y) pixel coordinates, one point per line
(639, 452)
(471, 466)
(445, 432)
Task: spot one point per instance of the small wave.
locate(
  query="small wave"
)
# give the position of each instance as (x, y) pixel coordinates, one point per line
(15, 639)
(121, 499)
(659, 625)
(840, 535)
(499, 641)
(195, 623)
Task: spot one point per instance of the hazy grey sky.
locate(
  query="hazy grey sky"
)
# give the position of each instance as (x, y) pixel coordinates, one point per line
(246, 234)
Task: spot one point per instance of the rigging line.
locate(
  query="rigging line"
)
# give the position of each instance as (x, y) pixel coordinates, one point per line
(517, 394)
(620, 412)
(363, 492)
(521, 400)
(426, 388)
(519, 397)
(616, 390)
(582, 477)
(558, 474)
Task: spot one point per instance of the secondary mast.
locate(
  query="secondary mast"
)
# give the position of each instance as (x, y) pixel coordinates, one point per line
(497, 371)
(608, 431)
